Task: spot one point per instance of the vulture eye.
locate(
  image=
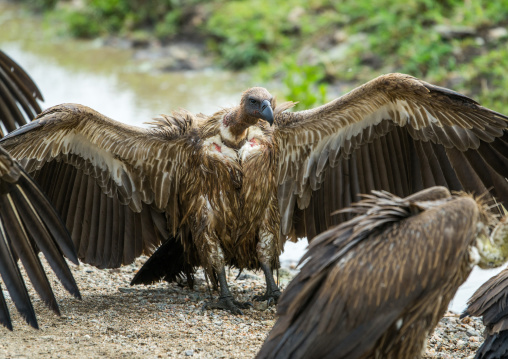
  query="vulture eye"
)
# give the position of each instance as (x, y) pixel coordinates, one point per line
(252, 101)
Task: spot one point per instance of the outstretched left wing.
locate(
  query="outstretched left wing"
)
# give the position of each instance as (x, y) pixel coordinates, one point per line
(395, 133)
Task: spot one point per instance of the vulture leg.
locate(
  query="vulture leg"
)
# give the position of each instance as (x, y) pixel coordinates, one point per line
(267, 252)
(272, 290)
(226, 300)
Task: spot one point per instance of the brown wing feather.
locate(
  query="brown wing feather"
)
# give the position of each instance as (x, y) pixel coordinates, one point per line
(395, 133)
(389, 266)
(127, 174)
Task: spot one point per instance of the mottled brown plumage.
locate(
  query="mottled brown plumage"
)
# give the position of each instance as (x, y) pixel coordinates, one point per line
(28, 222)
(490, 301)
(230, 189)
(375, 286)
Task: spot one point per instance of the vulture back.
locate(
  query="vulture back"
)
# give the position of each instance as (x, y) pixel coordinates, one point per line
(376, 285)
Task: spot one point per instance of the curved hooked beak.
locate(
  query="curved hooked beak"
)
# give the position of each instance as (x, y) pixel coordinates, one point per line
(266, 112)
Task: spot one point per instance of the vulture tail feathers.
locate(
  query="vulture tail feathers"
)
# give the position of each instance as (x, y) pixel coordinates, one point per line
(166, 263)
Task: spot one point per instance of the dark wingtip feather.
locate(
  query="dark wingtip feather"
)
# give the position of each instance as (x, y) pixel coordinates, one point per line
(5, 318)
(494, 347)
(20, 75)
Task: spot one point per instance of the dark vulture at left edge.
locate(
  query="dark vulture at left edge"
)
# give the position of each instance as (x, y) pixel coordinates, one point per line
(229, 189)
(28, 222)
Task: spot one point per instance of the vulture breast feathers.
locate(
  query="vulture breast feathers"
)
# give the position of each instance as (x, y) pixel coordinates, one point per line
(230, 188)
(28, 222)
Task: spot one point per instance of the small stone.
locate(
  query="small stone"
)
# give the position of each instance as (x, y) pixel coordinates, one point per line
(189, 353)
(466, 320)
(497, 33)
(472, 333)
(461, 344)
(455, 32)
(260, 305)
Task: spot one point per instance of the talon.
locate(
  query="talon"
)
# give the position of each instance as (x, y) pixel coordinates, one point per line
(272, 297)
(227, 303)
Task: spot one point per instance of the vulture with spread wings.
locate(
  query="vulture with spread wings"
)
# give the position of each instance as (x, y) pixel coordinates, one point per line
(231, 188)
(28, 222)
(377, 285)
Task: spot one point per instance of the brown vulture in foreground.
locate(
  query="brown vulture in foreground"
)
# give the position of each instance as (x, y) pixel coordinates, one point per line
(231, 188)
(377, 285)
(490, 301)
(28, 222)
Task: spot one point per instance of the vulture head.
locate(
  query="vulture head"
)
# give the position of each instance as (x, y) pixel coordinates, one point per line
(256, 104)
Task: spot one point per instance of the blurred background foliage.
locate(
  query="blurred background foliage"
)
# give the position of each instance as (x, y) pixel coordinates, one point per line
(318, 48)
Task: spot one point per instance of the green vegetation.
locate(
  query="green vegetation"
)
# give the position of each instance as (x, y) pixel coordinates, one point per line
(308, 44)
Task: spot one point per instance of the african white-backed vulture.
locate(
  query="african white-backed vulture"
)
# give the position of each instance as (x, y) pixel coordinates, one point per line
(231, 188)
(376, 285)
(28, 222)
(490, 301)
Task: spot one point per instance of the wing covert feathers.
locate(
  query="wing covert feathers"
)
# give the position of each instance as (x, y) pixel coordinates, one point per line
(395, 133)
(121, 182)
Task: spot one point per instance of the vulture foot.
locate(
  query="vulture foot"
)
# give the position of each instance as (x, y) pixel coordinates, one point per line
(228, 303)
(272, 296)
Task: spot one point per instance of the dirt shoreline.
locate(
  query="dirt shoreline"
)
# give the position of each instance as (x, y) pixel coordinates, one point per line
(164, 320)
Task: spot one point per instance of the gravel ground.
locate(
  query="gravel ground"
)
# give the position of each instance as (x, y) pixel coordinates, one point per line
(165, 320)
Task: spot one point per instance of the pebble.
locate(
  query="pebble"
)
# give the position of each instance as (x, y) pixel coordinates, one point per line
(455, 338)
